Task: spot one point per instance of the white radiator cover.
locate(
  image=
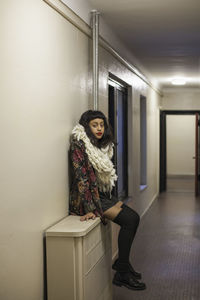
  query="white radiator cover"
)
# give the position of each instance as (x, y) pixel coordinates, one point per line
(79, 260)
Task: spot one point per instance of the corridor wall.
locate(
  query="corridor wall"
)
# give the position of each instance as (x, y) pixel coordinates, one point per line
(45, 86)
(181, 98)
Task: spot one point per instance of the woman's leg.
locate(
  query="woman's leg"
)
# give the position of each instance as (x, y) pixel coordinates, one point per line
(128, 219)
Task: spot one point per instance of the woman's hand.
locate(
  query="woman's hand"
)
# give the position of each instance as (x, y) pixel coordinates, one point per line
(88, 216)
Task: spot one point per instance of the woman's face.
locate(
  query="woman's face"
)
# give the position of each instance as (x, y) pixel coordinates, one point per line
(97, 127)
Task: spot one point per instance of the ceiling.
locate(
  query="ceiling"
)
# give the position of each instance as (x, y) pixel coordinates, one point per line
(163, 35)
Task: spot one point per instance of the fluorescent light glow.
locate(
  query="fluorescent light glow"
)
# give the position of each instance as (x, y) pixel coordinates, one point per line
(178, 81)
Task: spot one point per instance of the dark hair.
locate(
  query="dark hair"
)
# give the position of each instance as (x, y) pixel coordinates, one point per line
(85, 120)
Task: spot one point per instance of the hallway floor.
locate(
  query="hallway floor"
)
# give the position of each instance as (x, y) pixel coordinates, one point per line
(167, 248)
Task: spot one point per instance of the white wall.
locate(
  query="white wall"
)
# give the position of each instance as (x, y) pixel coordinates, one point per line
(180, 145)
(45, 85)
(83, 9)
(181, 98)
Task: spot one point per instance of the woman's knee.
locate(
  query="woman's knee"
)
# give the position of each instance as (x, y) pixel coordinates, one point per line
(127, 217)
(132, 217)
(134, 220)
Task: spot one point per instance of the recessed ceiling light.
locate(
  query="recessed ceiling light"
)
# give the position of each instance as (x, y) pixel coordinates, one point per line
(178, 81)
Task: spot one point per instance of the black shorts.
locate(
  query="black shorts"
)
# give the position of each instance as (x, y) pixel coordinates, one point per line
(107, 201)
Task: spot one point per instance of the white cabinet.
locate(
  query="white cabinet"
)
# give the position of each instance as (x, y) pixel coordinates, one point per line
(79, 260)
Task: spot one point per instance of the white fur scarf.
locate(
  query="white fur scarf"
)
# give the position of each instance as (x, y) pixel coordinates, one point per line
(100, 160)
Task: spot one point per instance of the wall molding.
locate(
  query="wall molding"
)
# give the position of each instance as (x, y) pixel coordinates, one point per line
(74, 19)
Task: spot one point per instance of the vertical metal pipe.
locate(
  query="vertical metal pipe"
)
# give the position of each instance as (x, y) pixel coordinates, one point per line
(95, 39)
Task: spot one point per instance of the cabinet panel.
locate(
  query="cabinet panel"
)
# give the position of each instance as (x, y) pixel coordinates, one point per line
(79, 266)
(93, 238)
(60, 268)
(97, 243)
(99, 279)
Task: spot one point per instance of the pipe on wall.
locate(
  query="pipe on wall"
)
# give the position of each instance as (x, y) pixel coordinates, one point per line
(95, 39)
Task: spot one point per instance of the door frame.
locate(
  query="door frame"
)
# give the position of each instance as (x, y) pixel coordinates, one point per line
(118, 85)
(163, 142)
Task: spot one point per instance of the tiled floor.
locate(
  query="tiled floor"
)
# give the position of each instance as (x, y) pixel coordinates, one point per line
(167, 249)
(181, 184)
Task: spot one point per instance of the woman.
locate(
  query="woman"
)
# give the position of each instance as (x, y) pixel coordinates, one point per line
(93, 178)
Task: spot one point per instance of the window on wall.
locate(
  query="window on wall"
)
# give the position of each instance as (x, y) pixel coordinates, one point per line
(143, 143)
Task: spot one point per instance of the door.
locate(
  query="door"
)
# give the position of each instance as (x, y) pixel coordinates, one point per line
(163, 154)
(118, 120)
(197, 156)
(163, 142)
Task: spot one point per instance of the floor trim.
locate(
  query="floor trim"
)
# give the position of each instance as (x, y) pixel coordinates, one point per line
(147, 208)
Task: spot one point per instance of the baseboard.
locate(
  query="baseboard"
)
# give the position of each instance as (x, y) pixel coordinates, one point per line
(153, 199)
(114, 256)
(180, 176)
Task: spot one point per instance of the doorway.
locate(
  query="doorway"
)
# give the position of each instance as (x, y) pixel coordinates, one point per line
(118, 118)
(179, 151)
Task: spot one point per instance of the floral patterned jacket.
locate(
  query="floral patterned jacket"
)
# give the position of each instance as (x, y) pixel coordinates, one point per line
(84, 195)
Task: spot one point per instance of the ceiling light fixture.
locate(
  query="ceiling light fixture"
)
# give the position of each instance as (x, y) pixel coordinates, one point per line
(178, 81)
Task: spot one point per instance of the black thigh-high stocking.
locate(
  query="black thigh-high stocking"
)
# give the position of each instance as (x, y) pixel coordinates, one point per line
(129, 220)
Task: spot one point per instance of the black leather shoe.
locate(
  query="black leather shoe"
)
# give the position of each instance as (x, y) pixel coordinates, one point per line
(127, 280)
(130, 268)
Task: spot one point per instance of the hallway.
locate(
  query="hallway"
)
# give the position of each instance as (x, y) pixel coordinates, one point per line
(166, 249)
(57, 62)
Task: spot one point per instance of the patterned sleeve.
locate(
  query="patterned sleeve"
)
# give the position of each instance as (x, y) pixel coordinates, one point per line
(78, 158)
